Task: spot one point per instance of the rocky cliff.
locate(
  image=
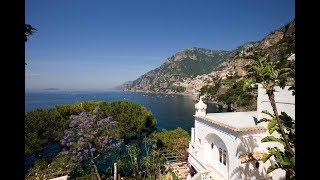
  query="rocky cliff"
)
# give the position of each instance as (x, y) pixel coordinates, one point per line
(190, 69)
(183, 66)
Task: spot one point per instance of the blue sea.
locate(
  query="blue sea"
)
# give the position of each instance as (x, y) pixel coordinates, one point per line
(171, 111)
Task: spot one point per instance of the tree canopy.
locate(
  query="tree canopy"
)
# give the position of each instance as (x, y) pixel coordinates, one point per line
(133, 122)
(132, 119)
(41, 127)
(176, 140)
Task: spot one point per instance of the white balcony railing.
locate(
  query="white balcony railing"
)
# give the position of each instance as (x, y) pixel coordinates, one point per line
(196, 177)
(201, 169)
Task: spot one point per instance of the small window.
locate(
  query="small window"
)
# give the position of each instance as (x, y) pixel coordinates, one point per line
(224, 157)
(220, 155)
(257, 164)
(211, 145)
(199, 141)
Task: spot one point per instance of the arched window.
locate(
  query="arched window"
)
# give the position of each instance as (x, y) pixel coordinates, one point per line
(220, 155)
(211, 145)
(224, 157)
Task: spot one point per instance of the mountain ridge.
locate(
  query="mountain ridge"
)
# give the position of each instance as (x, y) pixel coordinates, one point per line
(190, 68)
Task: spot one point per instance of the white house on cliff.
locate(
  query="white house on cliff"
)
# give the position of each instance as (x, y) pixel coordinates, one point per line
(228, 145)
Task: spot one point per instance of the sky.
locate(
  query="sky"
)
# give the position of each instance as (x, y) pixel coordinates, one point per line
(100, 44)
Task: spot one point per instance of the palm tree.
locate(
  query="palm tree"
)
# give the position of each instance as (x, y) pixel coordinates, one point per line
(269, 76)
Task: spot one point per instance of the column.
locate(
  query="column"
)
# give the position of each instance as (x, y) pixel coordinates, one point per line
(192, 134)
(115, 171)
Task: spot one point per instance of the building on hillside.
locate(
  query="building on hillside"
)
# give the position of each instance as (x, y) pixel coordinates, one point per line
(228, 145)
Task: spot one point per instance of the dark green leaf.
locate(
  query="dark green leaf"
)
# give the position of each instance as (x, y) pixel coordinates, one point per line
(266, 157)
(271, 168)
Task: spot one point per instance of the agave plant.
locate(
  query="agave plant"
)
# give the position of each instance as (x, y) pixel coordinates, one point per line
(284, 160)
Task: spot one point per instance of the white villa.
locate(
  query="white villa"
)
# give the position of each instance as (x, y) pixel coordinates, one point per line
(228, 145)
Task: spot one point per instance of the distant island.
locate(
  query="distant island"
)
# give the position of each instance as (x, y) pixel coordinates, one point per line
(52, 89)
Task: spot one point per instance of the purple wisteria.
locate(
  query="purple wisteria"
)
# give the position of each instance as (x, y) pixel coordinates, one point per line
(88, 136)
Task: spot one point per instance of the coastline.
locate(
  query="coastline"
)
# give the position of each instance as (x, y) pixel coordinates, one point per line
(194, 96)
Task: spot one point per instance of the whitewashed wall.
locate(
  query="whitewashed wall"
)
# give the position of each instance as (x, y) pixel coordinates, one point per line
(226, 140)
(285, 102)
(235, 144)
(250, 142)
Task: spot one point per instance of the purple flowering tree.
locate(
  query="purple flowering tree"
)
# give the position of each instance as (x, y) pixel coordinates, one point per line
(89, 136)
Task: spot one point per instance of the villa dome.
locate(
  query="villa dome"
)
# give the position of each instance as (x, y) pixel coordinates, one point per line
(201, 108)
